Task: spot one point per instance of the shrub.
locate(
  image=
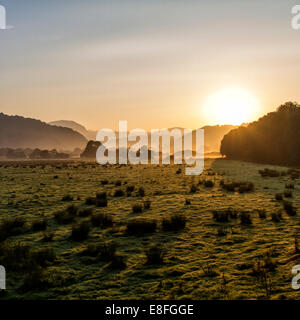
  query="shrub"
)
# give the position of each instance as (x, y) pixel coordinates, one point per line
(85, 212)
(11, 227)
(174, 222)
(104, 251)
(269, 173)
(137, 208)
(101, 220)
(289, 208)
(129, 190)
(209, 183)
(67, 198)
(80, 231)
(104, 182)
(221, 232)
(155, 255)
(119, 193)
(39, 225)
(245, 218)
(140, 227)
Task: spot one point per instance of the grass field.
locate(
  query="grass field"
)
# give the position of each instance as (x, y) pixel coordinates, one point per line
(71, 247)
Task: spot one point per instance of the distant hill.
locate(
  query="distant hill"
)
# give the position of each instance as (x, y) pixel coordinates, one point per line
(90, 135)
(20, 132)
(273, 139)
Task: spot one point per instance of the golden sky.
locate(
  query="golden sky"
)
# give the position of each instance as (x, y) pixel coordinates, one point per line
(153, 63)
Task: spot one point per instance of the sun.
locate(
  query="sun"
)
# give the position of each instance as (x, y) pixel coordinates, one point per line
(231, 106)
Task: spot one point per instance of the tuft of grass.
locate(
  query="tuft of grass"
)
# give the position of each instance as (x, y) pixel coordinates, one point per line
(289, 208)
(279, 196)
(289, 186)
(101, 195)
(67, 216)
(85, 212)
(137, 208)
(155, 255)
(119, 193)
(12, 227)
(39, 225)
(262, 213)
(209, 270)
(67, 198)
(101, 220)
(104, 182)
(90, 201)
(141, 192)
(80, 231)
(101, 203)
(208, 184)
(276, 216)
(174, 222)
(245, 218)
(193, 188)
(288, 194)
(140, 227)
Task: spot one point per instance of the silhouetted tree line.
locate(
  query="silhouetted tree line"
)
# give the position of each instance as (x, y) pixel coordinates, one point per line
(273, 139)
(32, 154)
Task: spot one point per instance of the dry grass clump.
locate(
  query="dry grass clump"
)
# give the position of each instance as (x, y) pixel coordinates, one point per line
(288, 194)
(67, 216)
(289, 208)
(245, 218)
(174, 222)
(289, 186)
(67, 198)
(276, 216)
(119, 193)
(262, 213)
(147, 204)
(279, 196)
(208, 183)
(140, 227)
(85, 212)
(193, 188)
(269, 173)
(12, 227)
(241, 187)
(141, 192)
(209, 270)
(39, 225)
(137, 208)
(80, 231)
(154, 254)
(101, 220)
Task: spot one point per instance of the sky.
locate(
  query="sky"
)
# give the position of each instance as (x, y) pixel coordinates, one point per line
(154, 63)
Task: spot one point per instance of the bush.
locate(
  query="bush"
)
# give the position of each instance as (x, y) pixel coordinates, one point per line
(80, 231)
(119, 193)
(269, 173)
(101, 220)
(118, 183)
(39, 225)
(174, 222)
(246, 187)
(289, 208)
(209, 183)
(140, 227)
(245, 218)
(85, 212)
(155, 255)
(11, 227)
(105, 251)
(104, 182)
(137, 208)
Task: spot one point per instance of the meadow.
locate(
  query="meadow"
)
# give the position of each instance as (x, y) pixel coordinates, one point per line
(77, 230)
